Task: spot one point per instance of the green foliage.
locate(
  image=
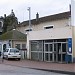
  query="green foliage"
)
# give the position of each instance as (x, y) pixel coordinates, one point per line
(10, 21)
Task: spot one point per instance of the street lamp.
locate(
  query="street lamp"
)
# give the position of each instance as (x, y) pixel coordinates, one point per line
(29, 9)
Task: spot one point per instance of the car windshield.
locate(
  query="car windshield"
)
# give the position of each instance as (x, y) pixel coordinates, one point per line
(14, 50)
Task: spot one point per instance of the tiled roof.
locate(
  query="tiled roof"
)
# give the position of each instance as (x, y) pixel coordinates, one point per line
(47, 18)
(13, 35)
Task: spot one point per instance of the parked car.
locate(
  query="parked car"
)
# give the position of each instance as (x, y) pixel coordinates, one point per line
(12, 53)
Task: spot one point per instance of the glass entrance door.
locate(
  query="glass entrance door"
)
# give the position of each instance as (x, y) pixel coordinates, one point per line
(62, 47)
(59, 52)
(48, 52)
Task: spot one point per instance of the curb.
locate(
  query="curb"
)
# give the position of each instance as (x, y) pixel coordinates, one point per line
(56, 71)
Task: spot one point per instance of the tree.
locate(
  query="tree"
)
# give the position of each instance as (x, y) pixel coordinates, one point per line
(10, 22)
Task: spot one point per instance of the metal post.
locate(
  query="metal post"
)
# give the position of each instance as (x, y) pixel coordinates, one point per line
(29, 9)
(2, 54)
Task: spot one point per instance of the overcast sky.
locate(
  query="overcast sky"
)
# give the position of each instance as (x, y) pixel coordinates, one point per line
(43, 7)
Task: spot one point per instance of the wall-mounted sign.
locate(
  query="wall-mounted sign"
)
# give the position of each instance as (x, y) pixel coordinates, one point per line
(69, 45)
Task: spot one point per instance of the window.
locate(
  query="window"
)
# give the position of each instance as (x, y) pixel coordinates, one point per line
(23, 46)
(48, 27)
(18, 46)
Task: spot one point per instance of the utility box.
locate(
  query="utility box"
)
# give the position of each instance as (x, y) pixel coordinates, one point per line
(68, 58)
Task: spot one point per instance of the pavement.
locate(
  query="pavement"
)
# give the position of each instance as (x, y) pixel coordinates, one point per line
(40, 65)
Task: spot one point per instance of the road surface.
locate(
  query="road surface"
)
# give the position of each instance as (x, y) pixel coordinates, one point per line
(14, 70)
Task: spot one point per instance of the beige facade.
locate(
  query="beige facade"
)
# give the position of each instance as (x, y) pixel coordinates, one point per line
(73, 42)
(54, 33)
(57, 24)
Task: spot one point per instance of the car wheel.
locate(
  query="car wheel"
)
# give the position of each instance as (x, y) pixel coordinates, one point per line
(19, 59)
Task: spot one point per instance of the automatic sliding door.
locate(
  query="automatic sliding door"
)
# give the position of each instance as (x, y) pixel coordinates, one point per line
(55, 52)
(48, 52)
(59, 52)
(62, 47)
(64, 50)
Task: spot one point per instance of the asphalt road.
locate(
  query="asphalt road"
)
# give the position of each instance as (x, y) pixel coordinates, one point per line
(14, 70)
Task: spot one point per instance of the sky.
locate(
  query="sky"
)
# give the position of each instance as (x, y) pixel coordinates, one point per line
(43, 7)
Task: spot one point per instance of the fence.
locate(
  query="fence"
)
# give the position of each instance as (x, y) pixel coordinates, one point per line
(23, 53)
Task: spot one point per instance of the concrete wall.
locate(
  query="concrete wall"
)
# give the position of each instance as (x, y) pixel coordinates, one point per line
(73, 28)
(56, 23)
(73, 42)
(55, 33)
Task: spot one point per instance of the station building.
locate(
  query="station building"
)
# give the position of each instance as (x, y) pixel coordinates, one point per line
(52, 38)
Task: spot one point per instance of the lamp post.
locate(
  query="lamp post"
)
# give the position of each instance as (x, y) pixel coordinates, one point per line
(29, 9)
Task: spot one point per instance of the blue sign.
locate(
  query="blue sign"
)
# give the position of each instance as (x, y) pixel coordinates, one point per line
(69, 45)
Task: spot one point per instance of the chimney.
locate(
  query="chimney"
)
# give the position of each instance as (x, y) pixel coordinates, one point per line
(4, 15)
(70, 9)
(37, 16)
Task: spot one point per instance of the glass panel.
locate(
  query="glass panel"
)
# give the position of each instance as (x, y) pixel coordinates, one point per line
(50, 47)
(59, 48)
(17, 46)
(55, 47)
(34, 55)
(55, 57)
(33, 47)
(46, 47)
(63, 57)
(50, 57)
(14, 50)
(59, 57)
(40, 47)
(48, 41)
(23, 46)
(40, 56)
(36, 46)
(61, 40)
(64, 47)
(46, 57)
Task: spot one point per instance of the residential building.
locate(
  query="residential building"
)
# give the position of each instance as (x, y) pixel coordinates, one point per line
(14, 39)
